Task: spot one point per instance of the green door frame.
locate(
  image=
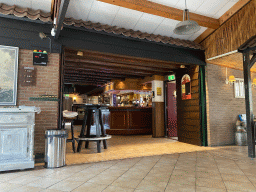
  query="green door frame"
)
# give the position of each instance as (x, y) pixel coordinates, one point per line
(203, 117)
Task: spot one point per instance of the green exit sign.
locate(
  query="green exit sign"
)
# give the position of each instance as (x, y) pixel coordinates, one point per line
(66, 95)
(171, 77)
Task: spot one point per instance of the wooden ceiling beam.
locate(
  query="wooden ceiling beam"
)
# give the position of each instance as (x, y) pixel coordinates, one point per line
(108, 71)
(86, 76)
(164, 11)
(114, 65)
(81, 72)
(120, 59)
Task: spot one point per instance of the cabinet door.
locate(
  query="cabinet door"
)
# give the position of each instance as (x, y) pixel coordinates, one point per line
(13, 143)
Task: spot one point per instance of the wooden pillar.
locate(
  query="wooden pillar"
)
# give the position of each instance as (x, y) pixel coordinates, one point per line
(158, 128)
(249, 104)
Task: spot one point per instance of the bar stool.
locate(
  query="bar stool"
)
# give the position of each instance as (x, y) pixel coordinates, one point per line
(69, 116)
(100, 131)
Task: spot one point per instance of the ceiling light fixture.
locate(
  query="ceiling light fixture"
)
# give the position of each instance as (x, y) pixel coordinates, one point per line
(80, 53)
(186, 27)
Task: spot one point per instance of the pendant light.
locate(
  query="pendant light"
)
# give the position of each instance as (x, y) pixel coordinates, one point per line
(186, 27)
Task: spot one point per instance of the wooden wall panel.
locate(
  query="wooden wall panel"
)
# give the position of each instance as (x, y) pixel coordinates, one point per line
(233, 33)
(188, 111)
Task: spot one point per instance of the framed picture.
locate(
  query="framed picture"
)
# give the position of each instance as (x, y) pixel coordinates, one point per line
(8, 74)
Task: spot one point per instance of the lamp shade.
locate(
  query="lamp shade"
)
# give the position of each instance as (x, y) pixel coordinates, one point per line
(186, 27)
(231, 78)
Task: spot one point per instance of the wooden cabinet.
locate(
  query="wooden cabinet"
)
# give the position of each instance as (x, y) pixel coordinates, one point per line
(17, 138)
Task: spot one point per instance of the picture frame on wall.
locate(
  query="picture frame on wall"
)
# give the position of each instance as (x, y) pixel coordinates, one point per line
(8, 74)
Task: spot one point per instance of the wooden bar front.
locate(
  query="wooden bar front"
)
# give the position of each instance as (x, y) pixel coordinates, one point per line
(130, 121)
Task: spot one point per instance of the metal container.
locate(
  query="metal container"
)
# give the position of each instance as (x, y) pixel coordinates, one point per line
(241, 138)
(55, 148)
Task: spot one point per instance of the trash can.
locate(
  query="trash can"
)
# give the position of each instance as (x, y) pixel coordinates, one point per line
(55, 148)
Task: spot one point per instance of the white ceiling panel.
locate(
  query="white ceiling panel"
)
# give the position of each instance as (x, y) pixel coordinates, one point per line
(127, 18)
(44, 5)
(170, 3)
(148, 23)
(103, 12)
(166, 27)
(79, 9)
(225, 8)
(192, 5)
(211, 7)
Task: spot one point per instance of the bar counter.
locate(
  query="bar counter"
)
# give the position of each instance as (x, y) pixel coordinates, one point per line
(130, 121)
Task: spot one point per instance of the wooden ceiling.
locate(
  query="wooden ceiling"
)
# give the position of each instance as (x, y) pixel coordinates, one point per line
(95, 68)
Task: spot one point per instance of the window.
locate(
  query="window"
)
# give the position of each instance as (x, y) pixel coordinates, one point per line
(239, 88)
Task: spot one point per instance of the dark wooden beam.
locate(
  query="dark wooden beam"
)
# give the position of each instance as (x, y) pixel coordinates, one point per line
(115, 65)
(97, 74)
(117, 70)
(61, 16)
(249, 105)
(98, 56)
(87, 77)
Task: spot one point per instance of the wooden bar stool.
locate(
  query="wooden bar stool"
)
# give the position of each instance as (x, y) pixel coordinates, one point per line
(100, 131)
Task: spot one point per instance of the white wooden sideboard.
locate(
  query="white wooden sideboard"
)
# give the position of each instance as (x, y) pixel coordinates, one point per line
(17, 137)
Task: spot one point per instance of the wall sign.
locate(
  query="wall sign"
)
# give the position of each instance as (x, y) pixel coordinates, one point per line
(159, 91)
(186, 87)
(40, 57)
(28, 76)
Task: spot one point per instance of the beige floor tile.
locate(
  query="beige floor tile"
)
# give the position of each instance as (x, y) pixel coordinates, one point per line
(202, 174)
(230, 185)
(23, 180)
(207, 170)
(90, 187)
(235, 178)
(41, 172)
(205, 189)
(44, 182)
(113, 172)
(27, 189)
(9, 176)
(152, 185)
(182, 172)
(231, 171)
(50, 190)
(210, 183)
(83, 177)
(115, 189)
(8, 186)
(66, 185)
(126, 182)
(185, 180)
(102, 179)
(171, 187)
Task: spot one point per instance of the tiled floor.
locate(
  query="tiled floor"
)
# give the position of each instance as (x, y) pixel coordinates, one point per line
(221, 169)
(121, 147)
(164, 165)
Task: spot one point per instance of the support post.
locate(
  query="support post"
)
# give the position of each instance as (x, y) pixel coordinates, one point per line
(249, 105)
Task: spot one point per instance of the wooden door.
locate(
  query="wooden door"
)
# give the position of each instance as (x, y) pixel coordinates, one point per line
(171, 110)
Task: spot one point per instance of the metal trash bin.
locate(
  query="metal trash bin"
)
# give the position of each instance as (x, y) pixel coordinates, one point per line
(55, 148)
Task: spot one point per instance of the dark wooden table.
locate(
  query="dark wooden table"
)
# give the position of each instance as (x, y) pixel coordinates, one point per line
(90, 109)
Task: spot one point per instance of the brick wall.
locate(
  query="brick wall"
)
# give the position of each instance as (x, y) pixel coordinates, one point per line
(222, 106)
(47, 82)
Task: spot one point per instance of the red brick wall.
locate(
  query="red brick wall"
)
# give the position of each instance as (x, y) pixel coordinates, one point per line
(222, 106)
(47, 82)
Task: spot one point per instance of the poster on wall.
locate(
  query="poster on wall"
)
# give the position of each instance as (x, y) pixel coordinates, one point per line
(186, 87)
(8, 74)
